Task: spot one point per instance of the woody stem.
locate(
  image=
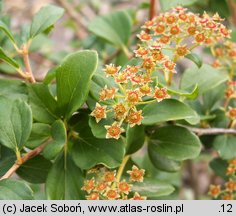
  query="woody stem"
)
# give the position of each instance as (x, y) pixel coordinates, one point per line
(22, 160)
(25, 53)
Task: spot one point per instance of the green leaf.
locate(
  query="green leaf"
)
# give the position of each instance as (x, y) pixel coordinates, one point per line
(15, 123)
(175, 143)
(7, 159)
(195, 58)
(73, 80)
(222, 7)
(161, 162)
(98, 83)
(152, 188)
(88, 151)
(135, 137)
(15, 190)
(50, 76)
(219, 166)
(44, 106)
(168, 110)
(13, 89)
(44, 19)
(65, 180)
(114, 27)
(6, 30)
(168, 4)
(206, 77)
(59, 137)
(98, 129)
(225, 145)
(35, 170)
(8, 60)
(39, 134)
(213, 99)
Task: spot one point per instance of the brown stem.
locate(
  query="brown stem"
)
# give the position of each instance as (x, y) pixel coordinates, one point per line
(25, 54)
(73, 14)
(25, 158)
(212, 131)
(152, 9)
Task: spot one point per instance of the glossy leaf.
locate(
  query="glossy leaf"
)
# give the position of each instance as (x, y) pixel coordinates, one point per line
(98, 129)
(65, 180)
(168, 110)
(114, 27)
(175, 143)
(39, 134)
(135, 137)
(206, 77)
(15, 190)
(44, 19)
(88, 151)
(195, 58)
(44, 106)
(59, 137)
(7, 159)
(73, 80)
(35, 170)
(8, 59)
(15, 123)
(7, 31)
(99, 81)
(219, 166)
(225, 145)
(152, 188)
(161, 162)
(13, 89)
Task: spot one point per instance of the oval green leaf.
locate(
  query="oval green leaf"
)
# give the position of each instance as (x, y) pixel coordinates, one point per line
(65, 180)
(152, 188)
(168, 110)
(73, 78)
(44, 19)
(15, 123)
(15, 190)
(175, 143)
(35, 170)
(206, 77)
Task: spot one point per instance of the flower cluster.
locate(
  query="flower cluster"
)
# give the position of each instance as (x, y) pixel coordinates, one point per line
(164, 40)
(228, 192)
(225, 59)
(105, 184)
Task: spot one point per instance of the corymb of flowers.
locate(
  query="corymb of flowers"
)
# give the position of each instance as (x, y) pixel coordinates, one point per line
(106, 184)
(163, 41)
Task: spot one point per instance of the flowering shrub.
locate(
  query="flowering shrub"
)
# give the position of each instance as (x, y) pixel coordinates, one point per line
(122, 130)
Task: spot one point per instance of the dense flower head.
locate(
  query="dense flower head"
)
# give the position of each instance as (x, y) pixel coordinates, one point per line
(106, 185)
(164, 40)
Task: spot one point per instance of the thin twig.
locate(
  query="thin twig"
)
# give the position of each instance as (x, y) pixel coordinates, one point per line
(152, 9)
(29, 72)
(25, 158)
(212, 131)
